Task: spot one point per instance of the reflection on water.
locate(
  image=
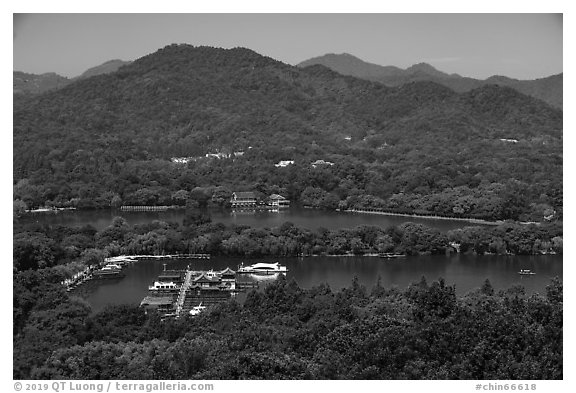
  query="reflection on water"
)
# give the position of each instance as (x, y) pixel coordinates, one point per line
(466, 272)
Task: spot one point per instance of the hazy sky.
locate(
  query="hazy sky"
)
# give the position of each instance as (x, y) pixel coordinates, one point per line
(523, 46)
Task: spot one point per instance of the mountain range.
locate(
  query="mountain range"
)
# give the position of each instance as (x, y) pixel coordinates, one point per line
(25, 83)
(548, 89)
(229, 96)
(115, 134)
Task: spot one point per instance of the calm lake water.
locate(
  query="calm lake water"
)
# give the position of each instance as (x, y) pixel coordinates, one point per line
(305, 218)
(466, 272)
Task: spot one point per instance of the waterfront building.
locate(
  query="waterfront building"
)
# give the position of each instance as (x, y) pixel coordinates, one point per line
(278, 201)
(161, 304)
(228, 278)
(243, 199)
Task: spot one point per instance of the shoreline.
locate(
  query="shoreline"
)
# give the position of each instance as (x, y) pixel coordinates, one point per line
(361, 211)
(471, 220)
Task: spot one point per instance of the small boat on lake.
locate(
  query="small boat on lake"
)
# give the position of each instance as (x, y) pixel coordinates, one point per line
(390, 255)
(263, 268)
(526, 272)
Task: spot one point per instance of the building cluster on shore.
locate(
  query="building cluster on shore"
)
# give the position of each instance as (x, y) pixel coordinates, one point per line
(112, 268)
(181, 292)
(247, 199)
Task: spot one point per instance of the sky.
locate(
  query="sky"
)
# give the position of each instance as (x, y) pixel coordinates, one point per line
(522, 46)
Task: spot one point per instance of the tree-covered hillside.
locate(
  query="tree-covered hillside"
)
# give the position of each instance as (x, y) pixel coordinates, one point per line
(418, 147)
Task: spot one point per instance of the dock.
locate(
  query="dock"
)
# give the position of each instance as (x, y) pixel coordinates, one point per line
(145, 208)
(173, 256)
(182, 294)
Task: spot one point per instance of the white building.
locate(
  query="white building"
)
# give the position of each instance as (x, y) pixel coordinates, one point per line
(283, 164)
(321, 162)
(181, 160)
(278, 201)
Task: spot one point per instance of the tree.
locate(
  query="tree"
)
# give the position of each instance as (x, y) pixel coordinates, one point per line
(116, 201)
(180, 197)
(201, 195)
(19, 208)
(554, 291)
(384, 243)
(33, 250)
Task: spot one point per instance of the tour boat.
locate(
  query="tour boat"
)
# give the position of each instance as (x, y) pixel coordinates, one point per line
(526, 272)
(259, 277)
(112, 266)
(263, 268)
(108, 272)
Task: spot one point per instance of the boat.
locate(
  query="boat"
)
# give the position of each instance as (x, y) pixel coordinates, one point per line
(121, 260)
(164, 286)
(197, 309)
(108, 272)
(390, 255)
(526, 272)
(113, 266)
(263, 277)
(263, 268)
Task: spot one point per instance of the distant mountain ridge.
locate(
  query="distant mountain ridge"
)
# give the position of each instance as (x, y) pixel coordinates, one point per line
(547, 89)
(25, 83)
(104, 68)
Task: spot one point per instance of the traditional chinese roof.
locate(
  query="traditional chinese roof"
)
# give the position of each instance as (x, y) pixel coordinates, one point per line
(227, 272)
(244, 195)
(277, 196)
(204, 278)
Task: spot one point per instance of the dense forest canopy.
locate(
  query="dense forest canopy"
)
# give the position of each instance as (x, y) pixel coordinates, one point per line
(108, 140)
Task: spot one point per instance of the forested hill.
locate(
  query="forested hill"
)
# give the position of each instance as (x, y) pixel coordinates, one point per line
(104, 68)
(115, 133)
(24, 83)
(548, 89)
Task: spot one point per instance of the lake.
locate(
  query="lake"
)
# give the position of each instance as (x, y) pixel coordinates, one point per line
(305, 218)
(467, 272)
